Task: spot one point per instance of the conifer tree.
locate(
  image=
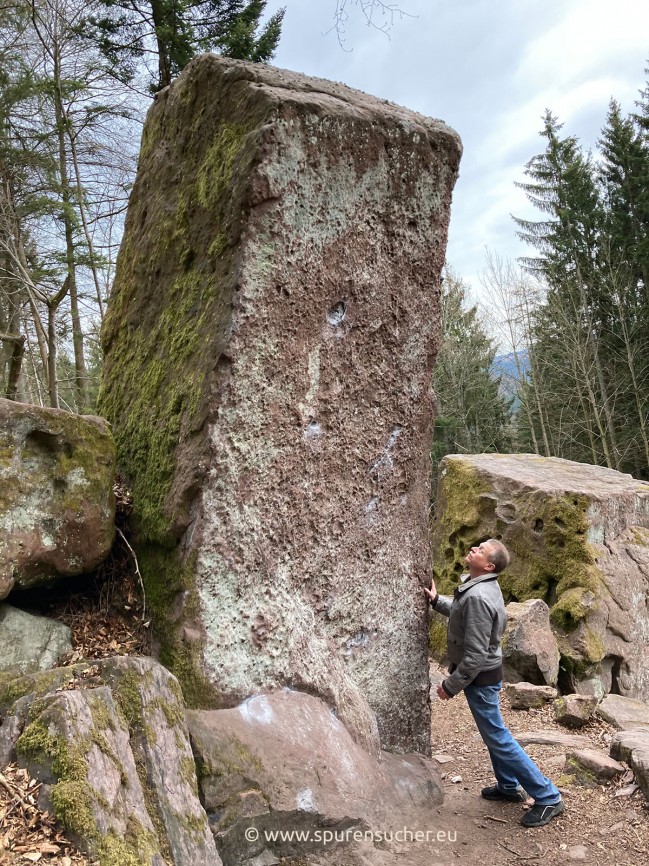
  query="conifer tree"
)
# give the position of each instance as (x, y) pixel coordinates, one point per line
(472, 416)
(174, 31)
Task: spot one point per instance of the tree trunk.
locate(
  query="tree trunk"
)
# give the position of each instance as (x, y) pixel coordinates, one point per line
(81, 373)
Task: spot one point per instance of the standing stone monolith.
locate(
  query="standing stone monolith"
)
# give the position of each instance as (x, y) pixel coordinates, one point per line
(269, 348)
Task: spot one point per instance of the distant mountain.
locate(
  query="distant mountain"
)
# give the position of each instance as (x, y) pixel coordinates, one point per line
(507, 367)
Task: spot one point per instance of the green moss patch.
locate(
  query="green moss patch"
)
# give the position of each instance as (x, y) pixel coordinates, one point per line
(547, 537)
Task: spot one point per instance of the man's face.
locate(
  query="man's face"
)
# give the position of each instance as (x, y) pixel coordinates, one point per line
(478, 559)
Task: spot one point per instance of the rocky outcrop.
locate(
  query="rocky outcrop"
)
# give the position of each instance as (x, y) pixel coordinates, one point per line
(525, 696)
(57, 507)
(30, 643)
(110, 744)
(632, 747)
(573, 711)
(579, 536)
(624, 713)
(591, 767)
(283, 762)
(269, 348)
(530, 650)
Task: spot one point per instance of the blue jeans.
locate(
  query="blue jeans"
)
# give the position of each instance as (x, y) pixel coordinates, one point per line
(512, 765)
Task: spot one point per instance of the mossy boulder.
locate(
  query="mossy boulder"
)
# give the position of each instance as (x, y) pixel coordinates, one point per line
(57, 508)
(110, 744)
(579, 539)
(269, 347)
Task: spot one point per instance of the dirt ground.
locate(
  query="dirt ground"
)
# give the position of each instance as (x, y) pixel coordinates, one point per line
(597, 828)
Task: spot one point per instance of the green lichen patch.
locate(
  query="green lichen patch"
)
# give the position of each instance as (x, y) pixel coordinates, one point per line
(169, 314)
(166, 580)
(74, 799)
(215, 172)
(233, 758)
(437, 637)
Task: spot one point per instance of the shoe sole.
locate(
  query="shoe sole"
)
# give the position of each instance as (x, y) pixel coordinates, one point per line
(503, 798)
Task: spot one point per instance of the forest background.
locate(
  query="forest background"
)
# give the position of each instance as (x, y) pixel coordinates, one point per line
(554, 360)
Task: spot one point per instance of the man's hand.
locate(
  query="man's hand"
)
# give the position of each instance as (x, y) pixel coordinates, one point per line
(442, 694)
(432, 592)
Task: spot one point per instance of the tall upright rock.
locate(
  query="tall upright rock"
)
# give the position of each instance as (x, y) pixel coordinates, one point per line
(269, 347)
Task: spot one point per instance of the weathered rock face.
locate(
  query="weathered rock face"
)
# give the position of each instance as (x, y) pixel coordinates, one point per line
(525, 696)
(530, 651)
(110, 744)
(632, 746)
(574, 711)
(30, 643)
(284, 762)
(269, 347)
(57, 508)
(580, 541)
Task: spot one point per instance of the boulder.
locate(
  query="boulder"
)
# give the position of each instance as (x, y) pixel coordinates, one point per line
(268, 355)
(530, 650)
(30, 643)
(109, 742)
(591, 767)
(624, 713)
(283, 761)
(524, 696)
(57, 508)
(574, 711)
(632, 747)
(579, 538)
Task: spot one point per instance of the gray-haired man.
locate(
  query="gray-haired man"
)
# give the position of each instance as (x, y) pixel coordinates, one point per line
(476, 621)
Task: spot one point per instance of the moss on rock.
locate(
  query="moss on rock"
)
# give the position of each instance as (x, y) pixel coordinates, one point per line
(547, 534)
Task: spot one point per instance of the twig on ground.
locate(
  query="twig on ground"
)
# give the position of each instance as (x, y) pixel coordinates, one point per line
(137, 571)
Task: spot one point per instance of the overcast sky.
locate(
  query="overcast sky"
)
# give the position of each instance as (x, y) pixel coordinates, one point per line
(488, 68)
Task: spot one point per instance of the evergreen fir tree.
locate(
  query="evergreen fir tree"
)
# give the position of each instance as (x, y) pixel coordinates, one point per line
(472, 415)
(174, 31)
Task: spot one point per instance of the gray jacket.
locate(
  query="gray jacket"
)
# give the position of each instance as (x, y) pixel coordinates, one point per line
(476, 621)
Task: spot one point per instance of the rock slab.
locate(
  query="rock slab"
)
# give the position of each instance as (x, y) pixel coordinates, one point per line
(623, 713)
(592, 767)
(30, 643)
(57, 508)
(269, 348)
(579, 538)
(109, 742)
(632, 746)
(530, 650)
(525, 696)
(283, 761)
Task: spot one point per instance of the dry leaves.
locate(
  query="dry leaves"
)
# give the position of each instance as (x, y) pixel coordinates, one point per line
(28, 834)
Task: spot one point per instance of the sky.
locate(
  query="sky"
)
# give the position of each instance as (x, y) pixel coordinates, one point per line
(488, 68)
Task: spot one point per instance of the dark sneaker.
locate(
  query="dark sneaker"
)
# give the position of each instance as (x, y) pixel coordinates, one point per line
(494, 793)
(539, 816)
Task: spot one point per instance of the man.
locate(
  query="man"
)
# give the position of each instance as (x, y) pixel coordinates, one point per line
(476, 621)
